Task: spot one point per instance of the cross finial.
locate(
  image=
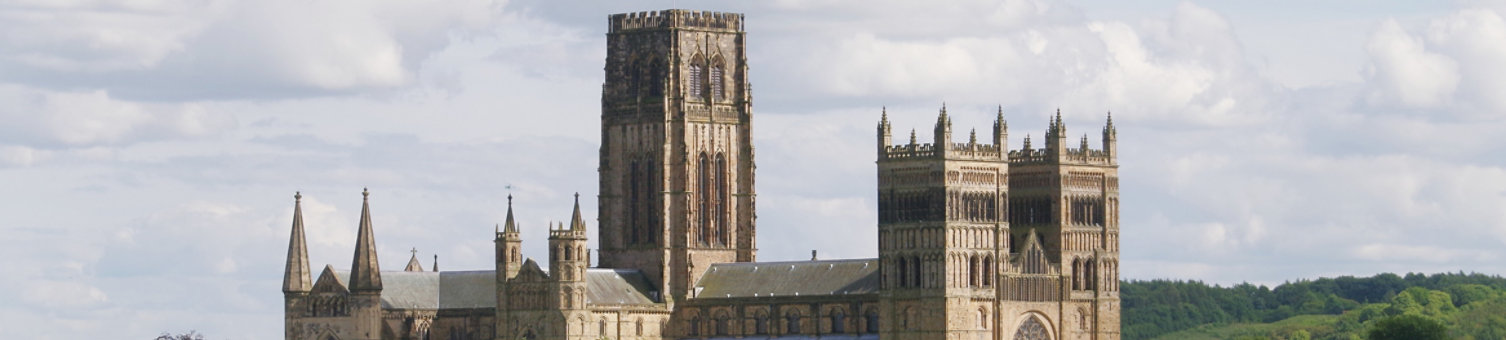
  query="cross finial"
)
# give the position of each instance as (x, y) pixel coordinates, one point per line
(297, 196)
(365, 193)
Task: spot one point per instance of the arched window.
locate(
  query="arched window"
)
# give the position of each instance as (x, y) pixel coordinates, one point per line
(601, 327)
(694, 328)
(717, 82)
(721, 324)
(988, 270)
(792, 322)
(696, 80)
(872, 320)
(639, 327)
(903, 279)
(722, 235)
(635, 211)
(838, 321)
(982, 319)
(915, 272)
(1032, 329)
(761, 323)
(972, 272)
(705, 193)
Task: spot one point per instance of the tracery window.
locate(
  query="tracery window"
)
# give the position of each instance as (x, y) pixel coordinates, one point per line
(1032, 329)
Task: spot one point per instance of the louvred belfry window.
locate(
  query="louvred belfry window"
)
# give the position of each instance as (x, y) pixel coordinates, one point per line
(697, 80)
(716, 82)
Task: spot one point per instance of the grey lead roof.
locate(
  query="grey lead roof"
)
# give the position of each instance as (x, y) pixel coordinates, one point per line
(618, 287)
(478, 289)
(796, 278)
(442, 290)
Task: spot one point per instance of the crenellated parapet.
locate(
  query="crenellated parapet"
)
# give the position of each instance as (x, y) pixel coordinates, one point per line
(943, 147)
(1057, 151)
(676, 18)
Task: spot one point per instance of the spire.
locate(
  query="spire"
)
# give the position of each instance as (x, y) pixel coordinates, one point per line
(1108, 128)
(576, 223)
(413, 265)
(512, 227)
(295, 278)
(436, 263)
(1027, 143)
(972, 137)
(365, 274)
(912, 136)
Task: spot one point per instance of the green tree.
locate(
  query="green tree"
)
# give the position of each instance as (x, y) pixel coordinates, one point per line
(1301, 334)
(1407, 327)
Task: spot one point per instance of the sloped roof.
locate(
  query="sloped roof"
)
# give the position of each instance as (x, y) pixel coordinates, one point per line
(469, 289)
(618, 287)
(442, 290)
(796, 278)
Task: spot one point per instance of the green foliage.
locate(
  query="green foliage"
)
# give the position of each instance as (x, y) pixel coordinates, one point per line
(1471, 305)
(1407, 327)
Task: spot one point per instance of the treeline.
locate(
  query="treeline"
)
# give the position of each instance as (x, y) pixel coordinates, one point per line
(1470, 304)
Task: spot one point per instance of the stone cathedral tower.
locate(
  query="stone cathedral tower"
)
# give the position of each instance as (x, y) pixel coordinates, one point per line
(942, 232)
(676, 151)
(1064, 217)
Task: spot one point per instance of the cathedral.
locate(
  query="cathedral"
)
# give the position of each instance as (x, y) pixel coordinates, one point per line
(975, 241)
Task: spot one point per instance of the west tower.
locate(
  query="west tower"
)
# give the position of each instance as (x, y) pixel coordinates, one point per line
(942, 233)
(1064, 218)
(676, 156)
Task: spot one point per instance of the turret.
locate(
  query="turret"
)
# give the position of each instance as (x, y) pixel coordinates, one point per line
(884, 136)
(1001, 134)
(1110, 137)
(568, 260)
(943, 132)
(1056, 137)
(567, 248)
(509, 244)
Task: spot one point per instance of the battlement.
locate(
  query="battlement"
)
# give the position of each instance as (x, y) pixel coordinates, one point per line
(562, 231)
(1076, 156)
(676, 18)
(956, 151)
(1056, 150)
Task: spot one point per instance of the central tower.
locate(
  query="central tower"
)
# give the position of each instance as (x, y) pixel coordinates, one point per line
(676, 149)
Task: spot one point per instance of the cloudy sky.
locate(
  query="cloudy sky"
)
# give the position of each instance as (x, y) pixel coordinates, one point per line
(150, 149)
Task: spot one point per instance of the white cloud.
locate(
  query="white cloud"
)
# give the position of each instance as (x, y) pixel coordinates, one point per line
(186, 142)
(1406, 73)
(42, 119)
